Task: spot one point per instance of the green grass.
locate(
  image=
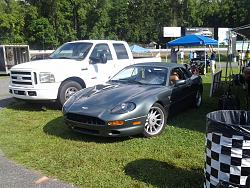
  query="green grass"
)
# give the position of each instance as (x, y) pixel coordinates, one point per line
(3, 76)
(40, 140)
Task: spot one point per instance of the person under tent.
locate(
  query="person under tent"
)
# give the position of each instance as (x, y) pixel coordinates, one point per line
(182, 56)
(212, 58)
(174, 55)
(190, 55)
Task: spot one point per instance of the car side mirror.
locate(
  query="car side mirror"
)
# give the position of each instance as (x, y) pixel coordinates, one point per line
(180, 82)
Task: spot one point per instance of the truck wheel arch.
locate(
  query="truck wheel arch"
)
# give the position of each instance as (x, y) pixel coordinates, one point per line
(72, 81)
(75, 79)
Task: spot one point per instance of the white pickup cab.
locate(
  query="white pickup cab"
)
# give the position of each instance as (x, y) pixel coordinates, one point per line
(73, 66)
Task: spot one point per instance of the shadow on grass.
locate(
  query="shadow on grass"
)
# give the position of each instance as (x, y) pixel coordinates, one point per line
(58, 128)
(162, 174)
(7, 102)
(195, 118)
(33, 106)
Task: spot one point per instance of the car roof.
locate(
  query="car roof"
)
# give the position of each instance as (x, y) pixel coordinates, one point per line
(159, 64)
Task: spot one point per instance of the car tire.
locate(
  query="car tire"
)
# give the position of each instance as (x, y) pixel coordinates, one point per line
(156, 121)
(67, 89)
(198, 99)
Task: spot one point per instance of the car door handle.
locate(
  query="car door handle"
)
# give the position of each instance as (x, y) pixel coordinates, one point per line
(84, 69)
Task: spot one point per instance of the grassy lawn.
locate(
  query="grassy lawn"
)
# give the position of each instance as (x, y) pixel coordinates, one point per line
(3, 76)
(39, 140)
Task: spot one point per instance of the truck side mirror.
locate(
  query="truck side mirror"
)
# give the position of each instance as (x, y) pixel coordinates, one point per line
(103, 57)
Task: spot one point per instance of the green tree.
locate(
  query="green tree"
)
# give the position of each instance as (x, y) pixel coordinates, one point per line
(98, 20)
(119, 20)
(11, 22)
(43, 34)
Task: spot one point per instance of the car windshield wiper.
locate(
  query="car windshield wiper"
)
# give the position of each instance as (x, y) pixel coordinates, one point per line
(133, 81)
(114, 81)
(63, 58)
(127, 80)
(136, 82)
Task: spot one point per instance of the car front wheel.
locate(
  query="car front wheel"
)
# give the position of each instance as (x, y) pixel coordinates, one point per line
(156, 121)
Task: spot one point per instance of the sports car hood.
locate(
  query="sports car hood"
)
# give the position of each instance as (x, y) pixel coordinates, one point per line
(98, 99)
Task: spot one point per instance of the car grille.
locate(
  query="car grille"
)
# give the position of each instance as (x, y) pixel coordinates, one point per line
(22, 78)
(83, 119)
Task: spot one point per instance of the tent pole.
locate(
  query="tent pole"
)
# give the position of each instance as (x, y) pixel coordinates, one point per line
(219, 54)
(205, 71)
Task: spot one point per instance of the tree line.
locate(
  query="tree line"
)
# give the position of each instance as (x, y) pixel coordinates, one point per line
(49, 23)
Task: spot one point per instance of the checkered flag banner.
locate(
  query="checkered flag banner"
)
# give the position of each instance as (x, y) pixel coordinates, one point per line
(227, 152)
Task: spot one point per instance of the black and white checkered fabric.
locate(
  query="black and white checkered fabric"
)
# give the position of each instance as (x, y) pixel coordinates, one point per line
(227, 159)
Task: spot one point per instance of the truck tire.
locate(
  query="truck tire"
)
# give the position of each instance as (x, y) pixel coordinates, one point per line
(67, 89)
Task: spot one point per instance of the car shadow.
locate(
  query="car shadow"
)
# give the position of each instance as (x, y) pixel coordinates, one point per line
(162, 174)
(33, 106)
(58, 128)
(195, 118)
(7, 102)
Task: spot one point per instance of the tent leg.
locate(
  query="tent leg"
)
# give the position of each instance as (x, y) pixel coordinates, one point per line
(219, 54)
(205, 71)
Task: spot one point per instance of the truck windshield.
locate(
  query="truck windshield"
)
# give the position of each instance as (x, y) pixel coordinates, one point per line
(77, 50)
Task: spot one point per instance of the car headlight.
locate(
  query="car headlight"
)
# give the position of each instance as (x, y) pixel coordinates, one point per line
(46, 77)
(123, 108)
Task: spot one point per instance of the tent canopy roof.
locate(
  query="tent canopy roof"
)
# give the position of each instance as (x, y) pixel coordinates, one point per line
(138, 49)
(193, 40)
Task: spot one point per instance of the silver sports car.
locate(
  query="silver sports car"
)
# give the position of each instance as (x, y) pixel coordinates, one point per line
(137, 100)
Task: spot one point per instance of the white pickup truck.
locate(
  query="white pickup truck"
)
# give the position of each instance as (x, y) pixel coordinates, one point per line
(73, 66)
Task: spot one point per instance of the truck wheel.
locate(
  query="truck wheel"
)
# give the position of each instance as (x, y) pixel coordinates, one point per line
(67, 89)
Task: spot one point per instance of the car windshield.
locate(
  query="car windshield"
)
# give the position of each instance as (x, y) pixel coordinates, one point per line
(141, 75)
(77, 50)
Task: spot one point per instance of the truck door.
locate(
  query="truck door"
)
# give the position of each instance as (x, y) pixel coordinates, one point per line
(101, 69)
(123, 59)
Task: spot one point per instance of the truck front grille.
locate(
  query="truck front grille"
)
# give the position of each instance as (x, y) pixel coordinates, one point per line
(21, 78)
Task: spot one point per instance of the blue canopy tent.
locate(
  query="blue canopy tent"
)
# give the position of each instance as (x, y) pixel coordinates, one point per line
(194, 40)
(138, 49)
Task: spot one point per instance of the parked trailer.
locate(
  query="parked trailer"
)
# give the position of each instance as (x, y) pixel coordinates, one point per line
(11, 55)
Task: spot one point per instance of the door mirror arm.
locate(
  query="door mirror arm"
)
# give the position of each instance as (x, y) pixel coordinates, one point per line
(180, 82)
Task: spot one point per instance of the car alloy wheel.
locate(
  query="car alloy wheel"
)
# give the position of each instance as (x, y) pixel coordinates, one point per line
(155, 121)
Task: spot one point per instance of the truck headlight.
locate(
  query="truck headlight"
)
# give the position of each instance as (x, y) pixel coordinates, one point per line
(46, 77)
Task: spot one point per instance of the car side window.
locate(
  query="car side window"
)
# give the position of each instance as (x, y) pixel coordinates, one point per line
(174, 76)
(101, 49)
(121, 51)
